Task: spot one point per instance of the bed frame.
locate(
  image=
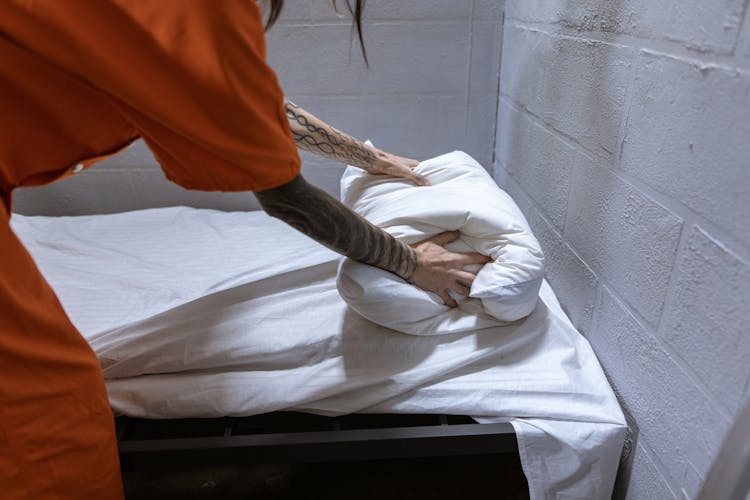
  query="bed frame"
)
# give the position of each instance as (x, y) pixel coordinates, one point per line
(290, 437)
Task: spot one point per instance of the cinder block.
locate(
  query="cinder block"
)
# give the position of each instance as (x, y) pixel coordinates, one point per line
(579, 15)
(676, 420)
(624, 235)
(485, 57)
(688, 136)
(743, 44)
(477, 139)
(152, 189)
(703, 26)
(576, 86)
(405, 58)
(93, 191)
(395, 10)
(101, 190)
(707, 321)
(136, 155)
(295, 11)
(325, 174)
(540, 162)
(416, 126)
(646, 480)
(488, 9)
(133, 180)
(573, 282)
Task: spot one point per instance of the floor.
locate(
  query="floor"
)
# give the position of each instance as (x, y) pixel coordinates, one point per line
(466, 478)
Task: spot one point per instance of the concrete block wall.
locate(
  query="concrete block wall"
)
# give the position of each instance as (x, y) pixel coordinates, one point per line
(624, 135)
(431, 88)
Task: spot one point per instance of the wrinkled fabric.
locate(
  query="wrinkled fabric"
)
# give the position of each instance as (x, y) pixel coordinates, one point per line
(79, 81)
(191, 313)
(57, 435)
(463, 197)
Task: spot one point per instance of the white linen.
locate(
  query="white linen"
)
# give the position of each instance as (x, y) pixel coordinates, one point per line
(462, 197)
(204, 313)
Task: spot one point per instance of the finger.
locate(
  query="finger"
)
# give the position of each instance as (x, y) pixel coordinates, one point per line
(420, 180)
(462, 288)
(409, 162)
(448, 299)
(407, 173)
(472, 258)
(443, 239)
(464, 277)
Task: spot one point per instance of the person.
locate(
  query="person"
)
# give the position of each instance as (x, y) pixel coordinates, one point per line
(79, 81)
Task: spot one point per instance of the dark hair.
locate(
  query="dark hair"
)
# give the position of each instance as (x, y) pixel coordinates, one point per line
(359, 6)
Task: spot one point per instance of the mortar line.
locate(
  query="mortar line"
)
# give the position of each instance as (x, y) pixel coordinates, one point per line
(568, 139)
(664, 474)
(469, 65)
(629, 308)
(672, 48)
(622, 133)
(497, 92)
(686, 372)
(673, 205)
(740, 26)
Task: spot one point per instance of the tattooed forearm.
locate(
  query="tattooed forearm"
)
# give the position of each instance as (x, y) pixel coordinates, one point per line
(326, 220)
(314, 135)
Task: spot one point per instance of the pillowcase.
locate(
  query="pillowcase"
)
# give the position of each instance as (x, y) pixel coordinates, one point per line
(462, 197)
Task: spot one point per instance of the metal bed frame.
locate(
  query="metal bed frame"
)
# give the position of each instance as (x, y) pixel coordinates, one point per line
(290, 437)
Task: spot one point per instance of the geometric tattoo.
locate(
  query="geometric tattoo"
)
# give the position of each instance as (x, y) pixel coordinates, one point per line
(329, 222)
(314, 135)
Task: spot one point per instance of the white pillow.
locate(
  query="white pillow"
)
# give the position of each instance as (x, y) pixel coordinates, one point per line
(462, 197)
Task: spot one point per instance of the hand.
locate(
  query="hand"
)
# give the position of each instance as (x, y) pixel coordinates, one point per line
(439, 270)
(397, 166)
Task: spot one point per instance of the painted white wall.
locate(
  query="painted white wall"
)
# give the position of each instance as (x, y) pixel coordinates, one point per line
(431, 88)
(624, 135)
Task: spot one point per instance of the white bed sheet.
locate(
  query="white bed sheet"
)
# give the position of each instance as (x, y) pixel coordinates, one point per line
(205, 313)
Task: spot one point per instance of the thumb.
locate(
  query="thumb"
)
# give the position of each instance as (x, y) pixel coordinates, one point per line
(400, 170)
(419, 179)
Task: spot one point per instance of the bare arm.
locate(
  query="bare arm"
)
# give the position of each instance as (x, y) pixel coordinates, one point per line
(320, 216)
(315, 136)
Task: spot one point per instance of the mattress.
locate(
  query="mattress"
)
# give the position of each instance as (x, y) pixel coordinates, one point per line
(203, 313)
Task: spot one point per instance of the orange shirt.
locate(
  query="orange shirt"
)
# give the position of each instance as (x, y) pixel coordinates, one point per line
(80, 80)
(83, 78)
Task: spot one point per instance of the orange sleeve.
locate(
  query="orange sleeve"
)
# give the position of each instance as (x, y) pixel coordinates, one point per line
(191, 77)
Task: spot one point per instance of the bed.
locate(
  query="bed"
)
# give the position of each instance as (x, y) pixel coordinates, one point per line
(202, 313)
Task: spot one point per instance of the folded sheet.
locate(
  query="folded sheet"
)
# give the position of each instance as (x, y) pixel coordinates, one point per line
(204, 313)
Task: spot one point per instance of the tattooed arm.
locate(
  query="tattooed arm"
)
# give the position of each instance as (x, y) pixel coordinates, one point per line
(320, 216)
(315, 136)
(427, 264)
